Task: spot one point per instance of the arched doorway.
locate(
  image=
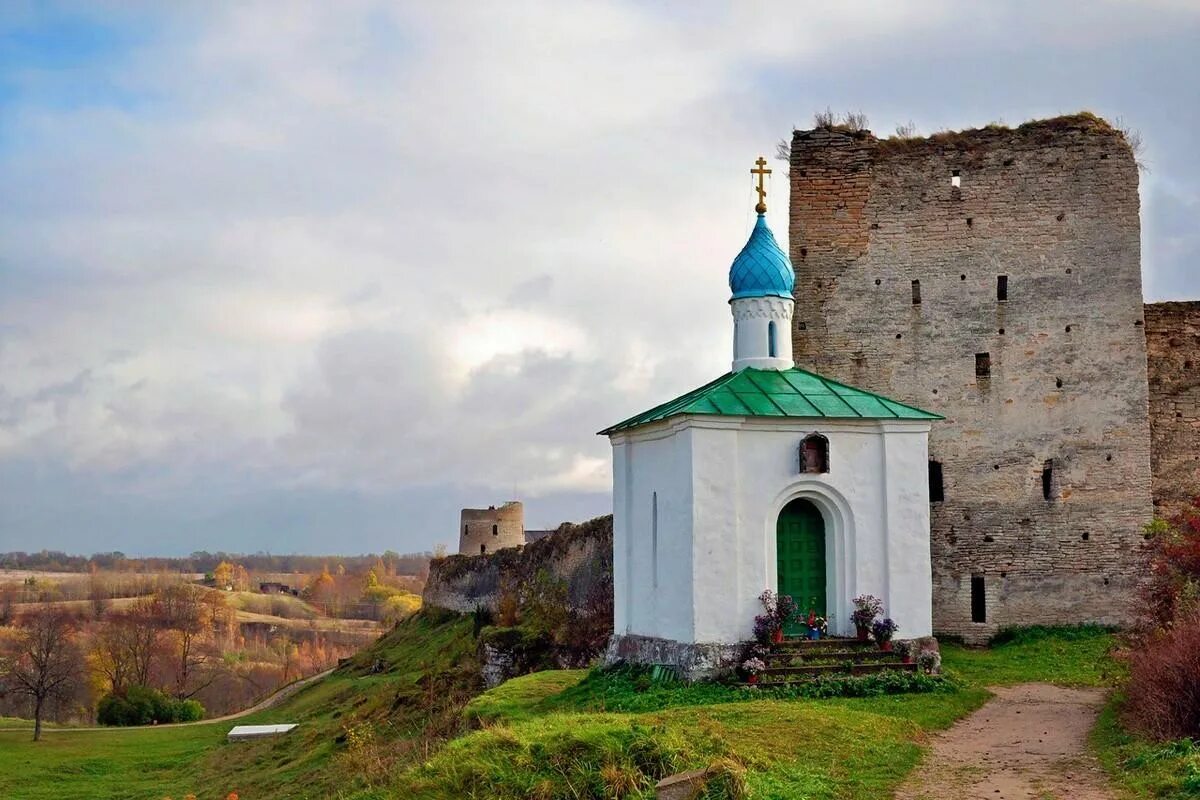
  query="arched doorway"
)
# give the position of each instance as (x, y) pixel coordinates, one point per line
(800, 555)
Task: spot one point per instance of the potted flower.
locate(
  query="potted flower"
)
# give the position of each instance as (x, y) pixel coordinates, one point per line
(866, 608)
(883, 630)
(780, 609)
(817, 625)
(905, 650)
(751, 667)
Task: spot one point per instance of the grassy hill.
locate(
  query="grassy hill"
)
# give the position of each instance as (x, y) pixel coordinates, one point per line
(407, 718)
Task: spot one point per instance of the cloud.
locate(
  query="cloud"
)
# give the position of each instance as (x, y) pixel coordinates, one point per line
(411, 256)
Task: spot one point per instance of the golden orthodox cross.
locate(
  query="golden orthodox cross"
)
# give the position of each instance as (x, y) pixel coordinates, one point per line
(761, 172)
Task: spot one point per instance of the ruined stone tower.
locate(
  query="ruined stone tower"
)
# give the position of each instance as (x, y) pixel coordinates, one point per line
(993, 276)
(486, 530)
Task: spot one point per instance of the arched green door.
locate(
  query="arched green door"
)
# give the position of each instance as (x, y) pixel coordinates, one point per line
(800, 548)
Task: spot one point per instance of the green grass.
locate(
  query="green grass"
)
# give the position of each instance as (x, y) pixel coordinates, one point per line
(1069, 656)
(376, 729)
(1140, 768)
(127, 763)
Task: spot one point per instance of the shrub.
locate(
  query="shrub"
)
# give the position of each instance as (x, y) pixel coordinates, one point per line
(141, 705)
(1163, 692)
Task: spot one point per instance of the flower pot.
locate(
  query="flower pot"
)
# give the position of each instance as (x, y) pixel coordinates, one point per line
(777, 636)
(814, 633)
(753, 679)
(886, 646)
(863, 632)
(908, 659)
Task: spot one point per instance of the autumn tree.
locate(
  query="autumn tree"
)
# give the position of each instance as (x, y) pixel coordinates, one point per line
(98, 591)
(44, 662)
(223, 575)
(187, 620)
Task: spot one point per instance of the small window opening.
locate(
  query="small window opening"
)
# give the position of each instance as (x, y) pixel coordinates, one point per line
(970, 222)
(482, 549)
(735, 341)
(983, 365)
(464, 530)
(1085, 536)
(955, 179)
(771, 339)
(814, 454)
(916, 293)
(495, 530)
(654, 536)
(937, 489)
(978, 600)
(1002, 288)
(1048, 479)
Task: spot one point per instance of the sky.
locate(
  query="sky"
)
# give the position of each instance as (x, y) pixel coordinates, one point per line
(310, 277)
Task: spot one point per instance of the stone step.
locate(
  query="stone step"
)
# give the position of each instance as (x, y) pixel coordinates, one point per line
(777, 676)
(798, 643)
(859, 655)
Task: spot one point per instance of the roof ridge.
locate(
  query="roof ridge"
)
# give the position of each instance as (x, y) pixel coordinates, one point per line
(834, 406)
(876, 395)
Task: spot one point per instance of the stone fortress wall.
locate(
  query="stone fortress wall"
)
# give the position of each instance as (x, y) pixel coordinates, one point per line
(993, 276)
(1173, 360)
(486, 530)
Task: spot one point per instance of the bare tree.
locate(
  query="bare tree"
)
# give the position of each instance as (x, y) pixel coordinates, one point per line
(45, 663)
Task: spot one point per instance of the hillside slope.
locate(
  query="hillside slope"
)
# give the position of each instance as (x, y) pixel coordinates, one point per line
(389, 705)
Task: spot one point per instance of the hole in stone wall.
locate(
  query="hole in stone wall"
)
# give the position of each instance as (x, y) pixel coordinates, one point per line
(1008, 162)
(1108, 457)
(955, 179)
(1060, 217)
(899, 335)
(1058, 383)
(995, 466)
(1001, 331)
(916, 293)
(983, 365)
(482, 549)
(803, 253)
(935, 391)
(1106, 581)
(874, 226)
(978, 600)
(495, 530)
(1085, 536)
(937, 489)
(802, 326)
(1003, 574)
(1138, 323)
(970, 222)
(989, 539)
(1104, 157)
(1002, 288)
(1048, 479)
(962, 277)
(1068, 270)
(1068, 329)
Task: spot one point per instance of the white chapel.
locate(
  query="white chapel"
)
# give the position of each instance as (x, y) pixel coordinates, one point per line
(769, 477)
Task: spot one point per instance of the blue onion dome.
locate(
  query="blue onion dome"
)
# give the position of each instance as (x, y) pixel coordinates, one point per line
(761, 269)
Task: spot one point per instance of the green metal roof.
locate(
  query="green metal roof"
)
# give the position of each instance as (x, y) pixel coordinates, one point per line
(777, 393)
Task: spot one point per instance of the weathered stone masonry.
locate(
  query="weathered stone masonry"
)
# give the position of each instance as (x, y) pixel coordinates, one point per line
(899, 247)
(1173, 358)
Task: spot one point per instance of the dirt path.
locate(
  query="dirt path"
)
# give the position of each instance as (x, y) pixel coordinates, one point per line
(1029, 742)
(268, 702)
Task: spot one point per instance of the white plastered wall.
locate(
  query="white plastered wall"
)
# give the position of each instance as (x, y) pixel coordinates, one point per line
(721, 483)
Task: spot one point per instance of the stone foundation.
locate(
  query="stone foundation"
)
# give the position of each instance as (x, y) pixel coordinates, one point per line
(693, 662)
